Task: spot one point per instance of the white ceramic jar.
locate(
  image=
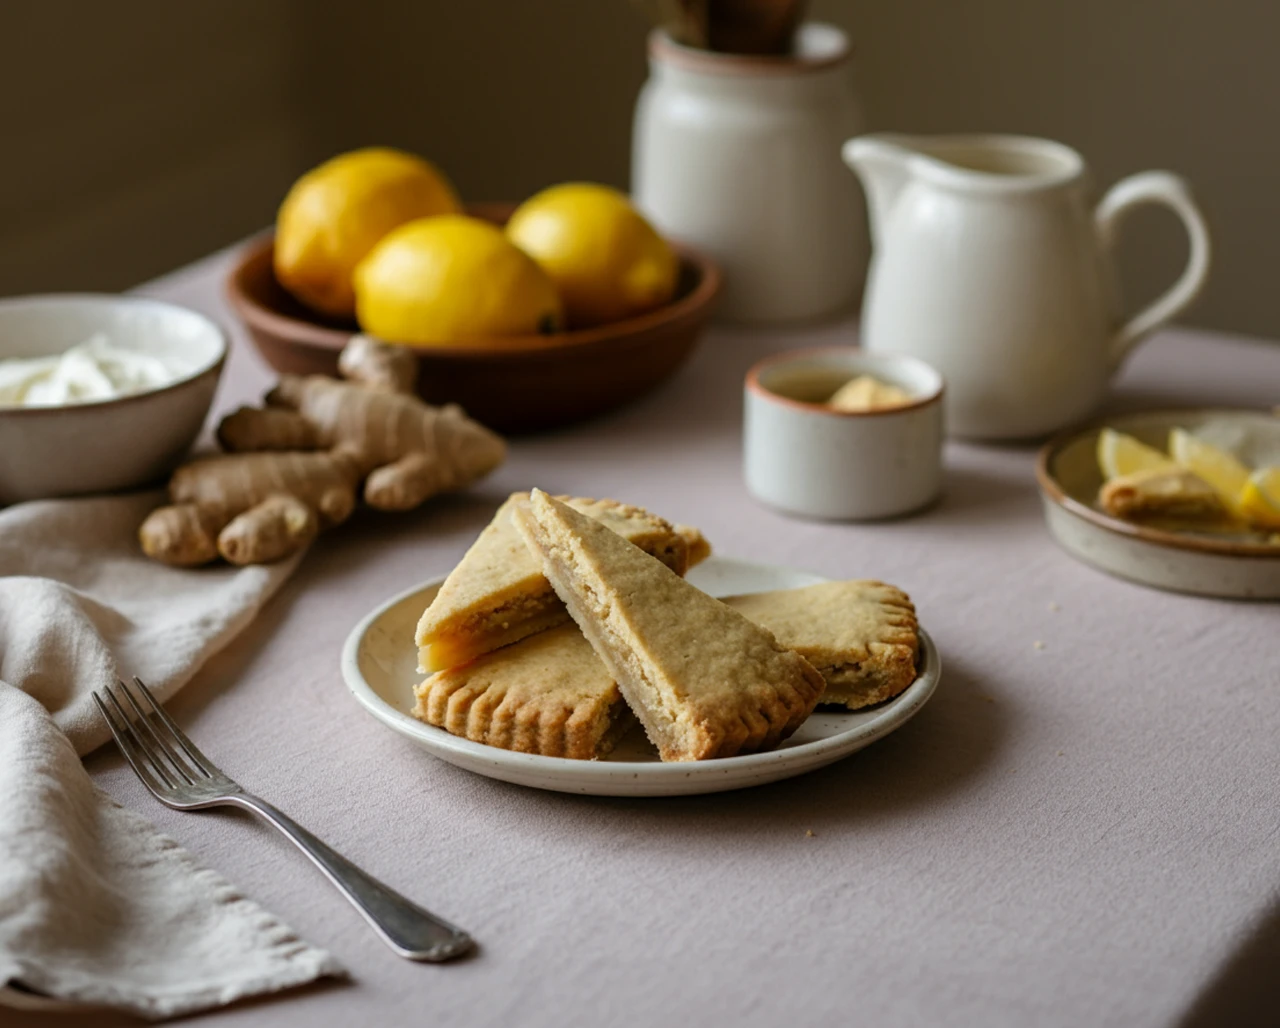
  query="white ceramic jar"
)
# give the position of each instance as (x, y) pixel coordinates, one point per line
(739, 156)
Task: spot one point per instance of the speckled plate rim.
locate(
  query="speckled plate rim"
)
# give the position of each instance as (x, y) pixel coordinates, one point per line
(625, 778)
(1052, 489)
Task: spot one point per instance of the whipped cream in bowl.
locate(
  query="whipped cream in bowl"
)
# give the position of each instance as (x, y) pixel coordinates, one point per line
(100, 393)
(94, 370)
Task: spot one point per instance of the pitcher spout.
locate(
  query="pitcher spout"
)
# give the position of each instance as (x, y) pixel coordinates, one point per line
(881, 161)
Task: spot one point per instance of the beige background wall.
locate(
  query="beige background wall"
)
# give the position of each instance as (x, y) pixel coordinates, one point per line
(140, 135)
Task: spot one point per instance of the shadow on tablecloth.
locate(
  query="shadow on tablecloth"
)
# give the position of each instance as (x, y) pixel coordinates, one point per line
(100, 1017)
(944, 750)
(979, 495)
(1246, 993)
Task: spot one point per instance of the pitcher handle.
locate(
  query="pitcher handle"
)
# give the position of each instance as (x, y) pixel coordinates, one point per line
(1172, 191)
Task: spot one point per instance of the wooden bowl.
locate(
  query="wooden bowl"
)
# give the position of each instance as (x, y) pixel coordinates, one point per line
(512, 384)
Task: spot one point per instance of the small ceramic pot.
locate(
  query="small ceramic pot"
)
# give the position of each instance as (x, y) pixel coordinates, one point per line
(805, 458)
(739, 155)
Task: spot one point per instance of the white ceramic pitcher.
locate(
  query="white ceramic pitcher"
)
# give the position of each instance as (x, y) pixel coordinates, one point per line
(990, 262)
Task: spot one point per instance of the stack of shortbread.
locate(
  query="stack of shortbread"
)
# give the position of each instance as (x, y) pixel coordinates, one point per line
(569, 618)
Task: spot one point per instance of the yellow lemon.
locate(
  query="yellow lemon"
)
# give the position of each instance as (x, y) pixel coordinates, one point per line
(335, 214)
(1261, 498)
(1217, 467)
(1120, 454)
(606, 261)
(445, 280)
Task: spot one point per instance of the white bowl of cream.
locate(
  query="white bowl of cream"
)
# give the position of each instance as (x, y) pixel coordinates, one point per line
(100, 393)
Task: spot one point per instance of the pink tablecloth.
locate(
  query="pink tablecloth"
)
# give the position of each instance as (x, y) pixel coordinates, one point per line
(1086, 833)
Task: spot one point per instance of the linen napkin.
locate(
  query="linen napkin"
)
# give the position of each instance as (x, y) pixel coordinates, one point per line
(96, 906)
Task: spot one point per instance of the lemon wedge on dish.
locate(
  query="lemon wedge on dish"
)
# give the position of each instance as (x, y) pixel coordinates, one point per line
(1217, 467)
(1261, 498)
(1120, 454)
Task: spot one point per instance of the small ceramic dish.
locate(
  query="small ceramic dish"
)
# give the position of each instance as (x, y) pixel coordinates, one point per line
(109, 445)
(1238, 565)
(379, 665)
(803, 457)
(512, 384)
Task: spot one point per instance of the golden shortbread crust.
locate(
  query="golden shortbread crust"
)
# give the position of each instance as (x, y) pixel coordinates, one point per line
(704, 681)
(548, 694)
(861, 635)
(498, 594)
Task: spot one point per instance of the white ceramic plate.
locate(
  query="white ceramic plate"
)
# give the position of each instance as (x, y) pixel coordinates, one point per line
(379, 664)
(1241, 566)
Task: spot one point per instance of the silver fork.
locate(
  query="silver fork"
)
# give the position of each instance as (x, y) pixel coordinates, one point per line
(182, 777)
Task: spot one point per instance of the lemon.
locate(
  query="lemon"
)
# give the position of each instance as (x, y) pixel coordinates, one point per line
(1120, 454)
(1217, 467)
(1261, 498)
(445, 280)
(336, 212)
(607, 262)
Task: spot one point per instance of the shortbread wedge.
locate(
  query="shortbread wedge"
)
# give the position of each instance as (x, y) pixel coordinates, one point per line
(548, 694)
(1162, 492)
(703, 680)
(699, 547)
(498, 595)
(861, 635)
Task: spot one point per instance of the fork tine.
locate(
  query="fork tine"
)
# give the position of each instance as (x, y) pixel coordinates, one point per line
(202, 763)
(157, 738)
(140, 747)
(131, 754)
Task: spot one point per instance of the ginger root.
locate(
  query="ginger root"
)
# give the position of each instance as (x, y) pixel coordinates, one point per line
(296, 466)
(409, 450)
(233, 506)
(377, 365)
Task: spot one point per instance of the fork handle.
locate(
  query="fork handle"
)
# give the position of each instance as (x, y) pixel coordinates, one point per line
(414, 933)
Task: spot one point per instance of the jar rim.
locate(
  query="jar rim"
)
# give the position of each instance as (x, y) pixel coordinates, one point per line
(818, 46)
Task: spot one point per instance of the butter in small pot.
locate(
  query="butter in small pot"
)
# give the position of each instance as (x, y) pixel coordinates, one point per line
(867, 393)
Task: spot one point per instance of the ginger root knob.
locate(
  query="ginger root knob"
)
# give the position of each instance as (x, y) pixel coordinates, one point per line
(277, 527)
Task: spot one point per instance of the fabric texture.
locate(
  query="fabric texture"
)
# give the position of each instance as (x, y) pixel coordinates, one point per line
(1078, 833)
(96, 906)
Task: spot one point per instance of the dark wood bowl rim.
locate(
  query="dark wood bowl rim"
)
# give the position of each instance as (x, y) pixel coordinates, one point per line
(309, 334)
